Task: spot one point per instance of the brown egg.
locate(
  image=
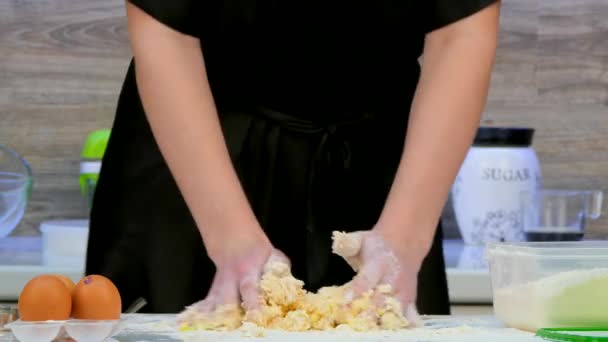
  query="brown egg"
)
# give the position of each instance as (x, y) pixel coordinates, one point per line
(67, 281)
(45, 298)
(96, 297)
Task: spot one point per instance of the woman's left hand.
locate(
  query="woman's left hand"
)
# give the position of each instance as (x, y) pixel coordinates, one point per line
(380, 260)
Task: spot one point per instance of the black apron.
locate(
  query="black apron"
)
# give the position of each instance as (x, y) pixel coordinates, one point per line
(303, 177)
(313, 99)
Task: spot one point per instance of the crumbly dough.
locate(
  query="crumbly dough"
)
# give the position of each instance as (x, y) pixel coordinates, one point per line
(347, 245)
(287, 306)
(227, 317)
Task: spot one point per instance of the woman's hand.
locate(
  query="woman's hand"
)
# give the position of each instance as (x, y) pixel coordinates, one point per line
(382, 261)
(238, 272)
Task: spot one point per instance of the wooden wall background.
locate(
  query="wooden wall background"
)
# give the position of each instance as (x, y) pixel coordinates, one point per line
(62, 64)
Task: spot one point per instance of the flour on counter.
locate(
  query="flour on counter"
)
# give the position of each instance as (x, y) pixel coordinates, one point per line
(572, 298)
(458, 334)
(141, 328)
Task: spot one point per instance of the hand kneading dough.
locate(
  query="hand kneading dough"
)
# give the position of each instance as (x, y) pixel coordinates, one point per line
(287, 306)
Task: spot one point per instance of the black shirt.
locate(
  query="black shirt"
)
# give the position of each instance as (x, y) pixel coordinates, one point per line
(299, 55)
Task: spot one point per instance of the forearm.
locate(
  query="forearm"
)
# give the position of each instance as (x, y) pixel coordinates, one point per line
(172, 82)
(445, 115)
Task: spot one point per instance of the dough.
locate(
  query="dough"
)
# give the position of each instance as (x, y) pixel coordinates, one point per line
(227, 317)
(287, 306)
(347, 245)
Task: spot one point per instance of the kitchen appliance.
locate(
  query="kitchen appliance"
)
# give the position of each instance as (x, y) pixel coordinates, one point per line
(539, 285)
(92, 154)
(15, 189)
(486, 193)
(558, 215)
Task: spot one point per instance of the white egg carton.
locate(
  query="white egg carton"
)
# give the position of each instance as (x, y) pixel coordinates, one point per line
(79, 330)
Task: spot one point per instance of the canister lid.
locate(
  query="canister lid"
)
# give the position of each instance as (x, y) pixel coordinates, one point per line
(504, 137)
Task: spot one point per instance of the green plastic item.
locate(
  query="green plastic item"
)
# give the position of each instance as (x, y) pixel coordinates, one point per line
(574, 334)
(93, 150)
(95, 145)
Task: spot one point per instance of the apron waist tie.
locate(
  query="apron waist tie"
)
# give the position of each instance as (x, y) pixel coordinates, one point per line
(332, 153)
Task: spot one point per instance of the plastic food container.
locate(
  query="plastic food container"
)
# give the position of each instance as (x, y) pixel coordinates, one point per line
(64, 243)
(550, 284)
(79, 330)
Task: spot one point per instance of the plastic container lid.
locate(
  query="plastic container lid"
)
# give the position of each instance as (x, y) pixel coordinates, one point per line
(574, 334)
(503, 137)
(551, 249)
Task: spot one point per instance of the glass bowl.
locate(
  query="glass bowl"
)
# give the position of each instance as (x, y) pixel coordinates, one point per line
(15, 189)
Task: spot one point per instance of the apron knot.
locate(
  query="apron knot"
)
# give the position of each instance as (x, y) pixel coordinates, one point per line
(332, 156)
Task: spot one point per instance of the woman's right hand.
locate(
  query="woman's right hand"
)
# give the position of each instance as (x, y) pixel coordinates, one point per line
(239, 267)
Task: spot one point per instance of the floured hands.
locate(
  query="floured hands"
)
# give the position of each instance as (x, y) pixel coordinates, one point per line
(236, 282)
(378, 262)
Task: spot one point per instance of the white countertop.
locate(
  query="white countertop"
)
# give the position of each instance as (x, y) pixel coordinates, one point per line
(21, 260)
(149, 328)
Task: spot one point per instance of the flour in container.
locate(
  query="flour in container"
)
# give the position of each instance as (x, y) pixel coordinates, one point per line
(568, 299)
